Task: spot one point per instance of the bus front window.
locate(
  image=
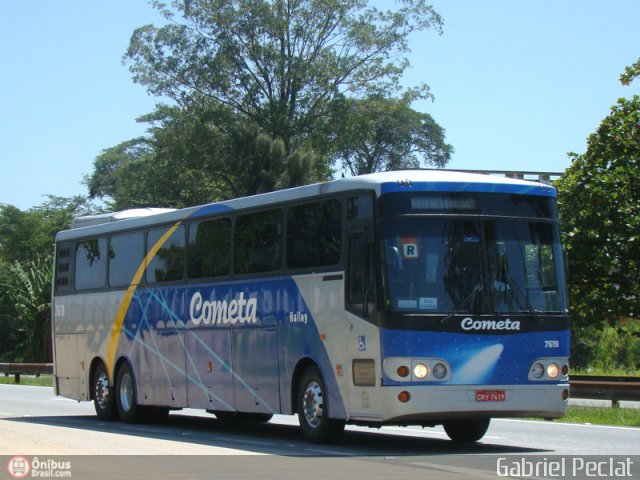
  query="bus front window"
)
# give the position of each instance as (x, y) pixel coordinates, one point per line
(447, 265)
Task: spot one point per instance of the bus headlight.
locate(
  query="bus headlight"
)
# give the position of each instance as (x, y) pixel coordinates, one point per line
(403, 369)
(549, 369)
(439, 371)
(553, 370)
(420, 371)
(537, 370)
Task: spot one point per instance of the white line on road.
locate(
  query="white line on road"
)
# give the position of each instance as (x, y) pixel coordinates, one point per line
(565, 424)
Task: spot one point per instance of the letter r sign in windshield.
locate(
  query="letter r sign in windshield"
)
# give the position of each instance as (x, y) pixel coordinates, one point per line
(410, 247)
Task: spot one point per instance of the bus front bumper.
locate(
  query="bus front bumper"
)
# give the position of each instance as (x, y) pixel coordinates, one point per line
(432, 404)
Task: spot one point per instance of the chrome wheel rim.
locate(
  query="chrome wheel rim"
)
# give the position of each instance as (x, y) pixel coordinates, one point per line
(102, 390)
(312, 404)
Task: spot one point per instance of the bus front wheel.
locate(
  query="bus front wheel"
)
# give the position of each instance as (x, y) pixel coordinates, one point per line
(312, 408)
(466, 431)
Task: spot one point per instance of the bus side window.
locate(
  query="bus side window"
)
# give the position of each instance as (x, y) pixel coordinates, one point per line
(91, 264)
(168, 263)
(360, 277)
(63, 269)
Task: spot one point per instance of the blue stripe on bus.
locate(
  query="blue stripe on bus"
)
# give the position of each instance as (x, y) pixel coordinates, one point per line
(510, 188)
(477, 359)
(232, 321)
(209, 210)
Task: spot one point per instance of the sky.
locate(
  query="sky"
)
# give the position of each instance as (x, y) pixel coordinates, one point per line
(517, 84)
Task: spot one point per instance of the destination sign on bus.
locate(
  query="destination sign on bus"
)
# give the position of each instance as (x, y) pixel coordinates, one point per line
(443, 203)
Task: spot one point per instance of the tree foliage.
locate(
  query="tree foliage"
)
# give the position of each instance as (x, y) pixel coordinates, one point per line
(381, 134)
(29, 293)
(194, 156)
(25, 234)
(26, 247)
(277, 63)
(269, 94)
(600, 211)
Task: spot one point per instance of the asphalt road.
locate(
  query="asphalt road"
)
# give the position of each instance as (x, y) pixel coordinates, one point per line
(193, 444)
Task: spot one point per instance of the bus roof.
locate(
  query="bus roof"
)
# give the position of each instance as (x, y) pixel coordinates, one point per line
(380, 183)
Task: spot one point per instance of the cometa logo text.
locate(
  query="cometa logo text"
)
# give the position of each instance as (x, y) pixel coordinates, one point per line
(471, 324)
(238, 310)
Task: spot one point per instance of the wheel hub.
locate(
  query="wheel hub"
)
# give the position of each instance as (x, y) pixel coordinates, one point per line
(126, 393)
(102, 390)
(312, 404)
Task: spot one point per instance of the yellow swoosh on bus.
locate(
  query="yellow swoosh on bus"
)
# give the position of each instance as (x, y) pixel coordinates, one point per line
(116, 328)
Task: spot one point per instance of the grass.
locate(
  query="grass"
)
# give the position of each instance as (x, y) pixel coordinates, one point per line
(609, 372)
(623, 417)
(41, 381)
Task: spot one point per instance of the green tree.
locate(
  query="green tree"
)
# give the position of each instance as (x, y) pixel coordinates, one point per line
(277, 63)
(29, 292)
(26, 246)
(24, 234)
(259, 88)
(198, 155)
(600, 211)
(182, 161)
(381, 134)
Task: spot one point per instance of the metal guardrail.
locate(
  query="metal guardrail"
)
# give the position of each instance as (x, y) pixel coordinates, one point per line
(17, 369)
(615, 389)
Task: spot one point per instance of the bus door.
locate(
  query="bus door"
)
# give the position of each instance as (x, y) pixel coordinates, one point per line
(363, 347)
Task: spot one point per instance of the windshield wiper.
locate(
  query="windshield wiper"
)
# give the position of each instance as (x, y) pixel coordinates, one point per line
(476, 290)
(521, 298)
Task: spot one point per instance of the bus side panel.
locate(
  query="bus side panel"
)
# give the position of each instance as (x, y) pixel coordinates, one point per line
(87, 318)
(363, 345)
(70, 377)
(153, 340)
(209, 373)
(255, 361)
(315, 327)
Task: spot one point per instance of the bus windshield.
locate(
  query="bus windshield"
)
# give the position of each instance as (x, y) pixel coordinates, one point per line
(444, 265)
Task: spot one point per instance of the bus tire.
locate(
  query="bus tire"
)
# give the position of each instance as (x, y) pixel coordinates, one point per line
(312, 408)
(466, 431)
(126, 396)
(103, 394)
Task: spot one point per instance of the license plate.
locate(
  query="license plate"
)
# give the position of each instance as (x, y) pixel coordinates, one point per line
(490, 396)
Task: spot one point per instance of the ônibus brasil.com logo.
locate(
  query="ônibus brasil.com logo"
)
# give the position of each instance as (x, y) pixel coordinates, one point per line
(20, 467)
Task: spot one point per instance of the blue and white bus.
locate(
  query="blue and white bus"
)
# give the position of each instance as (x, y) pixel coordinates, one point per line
(402, 298)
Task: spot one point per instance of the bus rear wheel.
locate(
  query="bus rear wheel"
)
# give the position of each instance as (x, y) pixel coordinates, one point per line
(103, 398)
(466, 431)
(312, 408)
(126, 396)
